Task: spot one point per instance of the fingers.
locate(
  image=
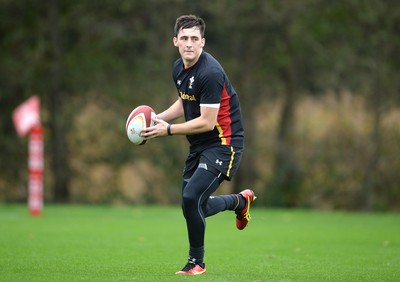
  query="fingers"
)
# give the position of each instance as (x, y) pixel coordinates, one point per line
(148, 133)
(156, 120)
(158, 130)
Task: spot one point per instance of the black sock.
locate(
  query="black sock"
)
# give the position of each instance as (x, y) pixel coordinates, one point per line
(196, 255)
(232, 202)
(242, 202)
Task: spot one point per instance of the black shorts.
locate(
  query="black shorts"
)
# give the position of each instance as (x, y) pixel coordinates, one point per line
(219, 159)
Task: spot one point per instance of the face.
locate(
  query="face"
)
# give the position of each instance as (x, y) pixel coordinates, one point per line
(190, 45)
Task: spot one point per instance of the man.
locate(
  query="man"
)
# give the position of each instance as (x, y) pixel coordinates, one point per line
(213, 126)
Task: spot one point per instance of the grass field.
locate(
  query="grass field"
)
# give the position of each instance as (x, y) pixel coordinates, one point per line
(101, 243)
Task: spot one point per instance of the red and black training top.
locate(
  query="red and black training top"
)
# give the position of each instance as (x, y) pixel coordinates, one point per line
(206, 84)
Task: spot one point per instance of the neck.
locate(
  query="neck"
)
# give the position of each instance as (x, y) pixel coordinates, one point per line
(187, 64)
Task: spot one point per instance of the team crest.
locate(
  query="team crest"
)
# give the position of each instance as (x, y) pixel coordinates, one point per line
(191, 80)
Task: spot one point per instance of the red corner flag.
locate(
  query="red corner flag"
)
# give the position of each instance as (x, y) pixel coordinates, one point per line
(35, 166)
(27, 115)
(26, 119)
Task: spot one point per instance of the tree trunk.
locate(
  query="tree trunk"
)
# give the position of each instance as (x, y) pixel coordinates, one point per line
(368, 183)
(59, 149)
(286, 181)
(286, 174)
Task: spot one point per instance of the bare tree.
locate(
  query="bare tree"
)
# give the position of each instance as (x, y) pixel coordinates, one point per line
(59, 147)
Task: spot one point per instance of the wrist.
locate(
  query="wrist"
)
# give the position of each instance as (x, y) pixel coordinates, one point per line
(169, 130)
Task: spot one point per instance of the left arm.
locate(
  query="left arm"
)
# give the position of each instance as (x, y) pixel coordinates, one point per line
(204, 123)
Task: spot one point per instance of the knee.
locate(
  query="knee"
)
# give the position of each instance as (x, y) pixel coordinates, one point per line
(188, 205)
(188, 200)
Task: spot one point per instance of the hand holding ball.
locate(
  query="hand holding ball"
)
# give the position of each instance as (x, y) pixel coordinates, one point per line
(139, 119)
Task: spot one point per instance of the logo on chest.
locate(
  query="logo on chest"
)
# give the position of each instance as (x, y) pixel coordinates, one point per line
(191, 80)
(185, 96)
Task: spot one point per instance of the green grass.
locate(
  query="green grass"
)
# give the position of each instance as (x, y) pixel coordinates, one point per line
(97, 243)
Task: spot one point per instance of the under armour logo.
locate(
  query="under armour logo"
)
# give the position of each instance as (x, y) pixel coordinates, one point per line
(218, 162)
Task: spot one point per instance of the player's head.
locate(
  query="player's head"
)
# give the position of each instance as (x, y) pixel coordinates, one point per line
(189, 38)
(189, 21)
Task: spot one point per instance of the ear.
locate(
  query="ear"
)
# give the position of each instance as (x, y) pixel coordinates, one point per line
(175, 41)
(203, 42)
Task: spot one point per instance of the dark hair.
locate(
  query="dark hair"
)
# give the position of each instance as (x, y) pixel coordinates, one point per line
(189, 21)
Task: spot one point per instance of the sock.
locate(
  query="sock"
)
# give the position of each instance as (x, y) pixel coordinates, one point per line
(196, 255)
(232, 202)
(241, 204)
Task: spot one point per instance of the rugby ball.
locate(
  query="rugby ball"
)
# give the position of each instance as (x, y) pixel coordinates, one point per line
(139, 119)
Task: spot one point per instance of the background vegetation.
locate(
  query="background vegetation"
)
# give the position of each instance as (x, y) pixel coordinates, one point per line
(318, 82)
